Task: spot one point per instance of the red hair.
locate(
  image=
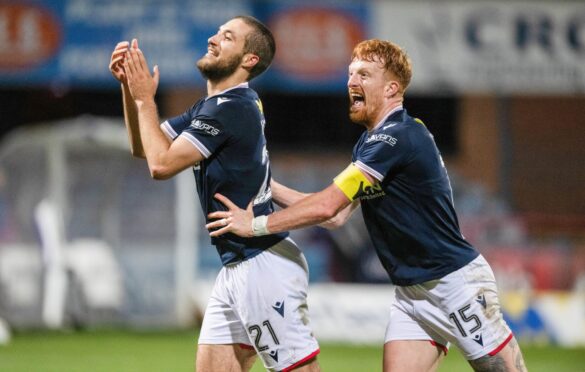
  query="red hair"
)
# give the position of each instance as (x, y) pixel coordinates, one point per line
(394, 59)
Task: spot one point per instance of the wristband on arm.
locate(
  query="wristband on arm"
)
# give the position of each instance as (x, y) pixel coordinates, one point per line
(259, 226)
(352, 182)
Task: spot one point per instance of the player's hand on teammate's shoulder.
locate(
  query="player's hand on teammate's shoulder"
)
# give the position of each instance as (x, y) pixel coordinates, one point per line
(235, 220)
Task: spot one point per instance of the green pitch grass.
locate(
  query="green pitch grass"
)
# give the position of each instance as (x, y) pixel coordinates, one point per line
(106, 351)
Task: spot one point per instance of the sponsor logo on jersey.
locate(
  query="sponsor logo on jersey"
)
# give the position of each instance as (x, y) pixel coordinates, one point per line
(369, 192)
(274, 354)
(478, 338)
(481, 300)
(221, 100)
(381, 137)
(279, 307)
(204, 127)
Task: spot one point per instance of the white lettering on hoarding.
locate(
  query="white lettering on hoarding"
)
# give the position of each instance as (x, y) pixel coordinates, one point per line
(476, 47)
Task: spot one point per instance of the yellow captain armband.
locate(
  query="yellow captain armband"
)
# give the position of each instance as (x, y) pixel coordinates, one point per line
(352, 182)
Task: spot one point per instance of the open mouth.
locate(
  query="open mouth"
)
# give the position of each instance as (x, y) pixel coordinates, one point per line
(357, 99)
(212, 53)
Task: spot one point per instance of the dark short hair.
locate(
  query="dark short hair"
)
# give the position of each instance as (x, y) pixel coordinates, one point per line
(259, 42)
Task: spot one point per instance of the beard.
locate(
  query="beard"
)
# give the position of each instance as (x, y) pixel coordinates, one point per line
(219, 70)
(358, 116)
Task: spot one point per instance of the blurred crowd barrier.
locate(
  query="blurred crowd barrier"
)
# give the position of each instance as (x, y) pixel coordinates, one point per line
(88, 239)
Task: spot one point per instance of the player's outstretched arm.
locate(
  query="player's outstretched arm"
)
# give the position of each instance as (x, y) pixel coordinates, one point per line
(314, 209)
(309, 211)
(341, 218)
(284, 196)
(130, 110)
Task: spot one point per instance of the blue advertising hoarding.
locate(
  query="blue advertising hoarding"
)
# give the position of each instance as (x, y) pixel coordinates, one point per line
(67, 43)
(464, 47)
(314, 42)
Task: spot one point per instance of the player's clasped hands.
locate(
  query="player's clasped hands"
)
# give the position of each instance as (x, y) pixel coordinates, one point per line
(128, 65)
(234, 220)
(117, 60)
(142, 84)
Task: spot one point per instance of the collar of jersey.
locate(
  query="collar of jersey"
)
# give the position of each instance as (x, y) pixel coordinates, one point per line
(395, 109)
(241, 85)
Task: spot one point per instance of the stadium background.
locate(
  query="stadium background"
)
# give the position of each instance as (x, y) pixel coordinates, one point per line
(88, 241)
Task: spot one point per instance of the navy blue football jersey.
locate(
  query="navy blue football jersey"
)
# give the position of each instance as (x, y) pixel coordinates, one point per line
(409, 213)
(228, 130)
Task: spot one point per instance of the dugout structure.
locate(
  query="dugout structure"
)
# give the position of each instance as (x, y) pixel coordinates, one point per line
(87, 237)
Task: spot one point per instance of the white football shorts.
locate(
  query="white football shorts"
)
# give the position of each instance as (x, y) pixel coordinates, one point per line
(262, 303)
(461, 308)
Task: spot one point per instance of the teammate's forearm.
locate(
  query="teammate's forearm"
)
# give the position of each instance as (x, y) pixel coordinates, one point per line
(309, 211)
(285, 196)
(131, 122)
(341, 218)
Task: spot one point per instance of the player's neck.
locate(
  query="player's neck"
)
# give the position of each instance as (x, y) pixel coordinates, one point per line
(388, 108)
(215, 87)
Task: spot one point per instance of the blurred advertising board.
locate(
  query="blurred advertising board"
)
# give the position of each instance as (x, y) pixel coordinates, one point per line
(314, 41)
(543, 317)
(69, 42)
(456, 47)
(548, 317)
(522, 47)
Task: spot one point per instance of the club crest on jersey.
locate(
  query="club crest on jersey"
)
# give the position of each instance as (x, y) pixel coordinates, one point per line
(260, 107)
(204, 127)
(381, 137)
(369, 192)
(263, 197)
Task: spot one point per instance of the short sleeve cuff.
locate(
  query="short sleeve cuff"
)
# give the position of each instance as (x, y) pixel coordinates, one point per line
(168, 130)
(369, 170)
(195, 142)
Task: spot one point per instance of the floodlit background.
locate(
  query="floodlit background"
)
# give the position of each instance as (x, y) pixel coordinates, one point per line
(88, 240)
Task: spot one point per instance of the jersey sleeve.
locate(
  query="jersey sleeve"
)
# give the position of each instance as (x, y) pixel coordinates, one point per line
(212, 126)
(173, 127)
(382, 153)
